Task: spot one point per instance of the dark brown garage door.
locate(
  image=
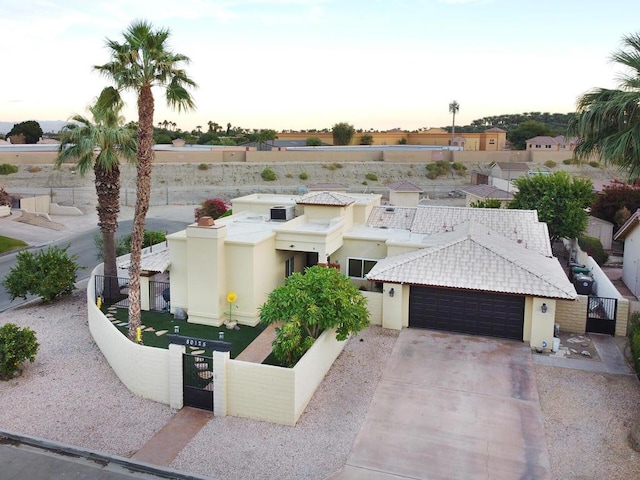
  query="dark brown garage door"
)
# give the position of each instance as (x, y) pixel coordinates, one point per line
(463, 311)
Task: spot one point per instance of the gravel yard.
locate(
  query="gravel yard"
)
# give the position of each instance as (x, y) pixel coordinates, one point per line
(71, 395)
(587, 417)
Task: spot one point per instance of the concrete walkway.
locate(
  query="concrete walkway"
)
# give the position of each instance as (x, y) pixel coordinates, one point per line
(258, 350)
(611, 358)
(452, 407)
(169, 441)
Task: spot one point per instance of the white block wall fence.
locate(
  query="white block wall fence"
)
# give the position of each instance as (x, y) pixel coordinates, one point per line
(242, 389)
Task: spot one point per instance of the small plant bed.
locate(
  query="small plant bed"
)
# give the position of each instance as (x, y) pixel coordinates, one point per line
(157, 322)
(7, 244)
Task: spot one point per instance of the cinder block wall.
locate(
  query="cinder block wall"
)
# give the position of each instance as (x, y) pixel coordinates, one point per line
(374, 305)
(572, 315)
(622, 317)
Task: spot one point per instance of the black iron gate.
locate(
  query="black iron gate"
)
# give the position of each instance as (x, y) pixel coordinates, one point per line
(601, 315)
(197, 381)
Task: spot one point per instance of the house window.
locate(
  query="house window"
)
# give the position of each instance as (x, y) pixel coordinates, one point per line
(289, 267)
(547, 146)
(492, 141)
(359, 267)
(538, 146)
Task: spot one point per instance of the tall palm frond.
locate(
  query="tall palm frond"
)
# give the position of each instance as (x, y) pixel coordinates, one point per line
(607, 122)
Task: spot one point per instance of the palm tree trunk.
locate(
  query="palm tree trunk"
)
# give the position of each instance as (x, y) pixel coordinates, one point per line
(143, 193)
(107, 183)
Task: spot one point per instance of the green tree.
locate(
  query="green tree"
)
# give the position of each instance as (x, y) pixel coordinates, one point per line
(30, 129)
(307, 304)
(560, 200)
(343, 133)
(313, 142)
(16, 346)
(607, 121)
(49, 273)
(366, 139)
(113, 141)
(144, 61)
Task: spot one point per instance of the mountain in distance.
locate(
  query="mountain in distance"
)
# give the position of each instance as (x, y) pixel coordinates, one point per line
(48, 126)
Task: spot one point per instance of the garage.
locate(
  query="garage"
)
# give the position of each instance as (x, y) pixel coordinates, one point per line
(465, 311)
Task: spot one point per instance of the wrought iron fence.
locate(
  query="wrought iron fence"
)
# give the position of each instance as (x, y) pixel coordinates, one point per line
(115, 291)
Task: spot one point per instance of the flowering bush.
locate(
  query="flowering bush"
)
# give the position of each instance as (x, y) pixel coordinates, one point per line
(212, 207)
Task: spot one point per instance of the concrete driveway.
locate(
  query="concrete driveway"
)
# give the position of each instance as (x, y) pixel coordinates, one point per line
(452, 407)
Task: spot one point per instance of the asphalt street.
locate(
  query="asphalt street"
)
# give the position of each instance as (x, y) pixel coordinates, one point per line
(79, 235)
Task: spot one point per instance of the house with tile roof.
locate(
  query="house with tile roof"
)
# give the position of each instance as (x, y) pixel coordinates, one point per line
(477, 193)
(478, 271)
(553, 144)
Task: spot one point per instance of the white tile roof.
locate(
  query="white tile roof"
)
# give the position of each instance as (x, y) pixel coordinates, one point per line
(391, 217)
(488, 191)
(473, 257)
(151, 261)
(517, 225)
(326, 198)
(403, 186)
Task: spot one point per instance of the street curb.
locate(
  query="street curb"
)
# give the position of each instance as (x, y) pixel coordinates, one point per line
(98, 457)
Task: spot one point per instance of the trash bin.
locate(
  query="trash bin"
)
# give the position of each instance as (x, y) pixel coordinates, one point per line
(583, 284)
(556, 344)
(579, 271)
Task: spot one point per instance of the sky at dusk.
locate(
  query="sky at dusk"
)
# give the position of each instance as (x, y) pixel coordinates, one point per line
(301, 64)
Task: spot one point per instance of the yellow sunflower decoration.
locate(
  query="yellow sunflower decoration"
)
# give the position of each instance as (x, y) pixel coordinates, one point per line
(232, 297)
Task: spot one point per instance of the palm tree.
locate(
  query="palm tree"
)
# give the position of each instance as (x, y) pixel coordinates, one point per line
(141, 62)
(607, 122)
(453, 108)
(101, 144)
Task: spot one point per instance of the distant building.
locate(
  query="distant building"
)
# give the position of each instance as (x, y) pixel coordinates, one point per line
(553, 144)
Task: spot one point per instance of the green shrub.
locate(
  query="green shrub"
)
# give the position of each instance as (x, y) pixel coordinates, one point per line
(550, 164)
(332, 166)
(123, 242)
(365, 183)
(16, 346)
(594, 164)
(226, 214)
(304, 176)
(313, 142)
(212, 207)
(594, 248)
(436, 169)
(268, 175)
(204, 166)
(5, 199)
(49, 273)
(6, 169)
(635, 351)
(459, 167)
(569, 161)
(410, 173)
(371, 176)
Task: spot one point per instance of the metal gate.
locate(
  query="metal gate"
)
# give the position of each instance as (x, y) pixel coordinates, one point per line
(601, 315)
(197, 381)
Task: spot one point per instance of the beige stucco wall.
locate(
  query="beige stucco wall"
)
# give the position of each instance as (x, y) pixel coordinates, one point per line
(37, 204)
(539, 325)
(404, 199)
(149, 379)
(276, 394)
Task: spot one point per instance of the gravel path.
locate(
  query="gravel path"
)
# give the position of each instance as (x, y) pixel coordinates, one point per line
(71, 395)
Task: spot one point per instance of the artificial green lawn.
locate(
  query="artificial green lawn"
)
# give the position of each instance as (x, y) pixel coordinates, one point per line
(7, 244)
(165, 321)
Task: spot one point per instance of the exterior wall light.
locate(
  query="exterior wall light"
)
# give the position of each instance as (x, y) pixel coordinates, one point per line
(544, 308)
(392, 292)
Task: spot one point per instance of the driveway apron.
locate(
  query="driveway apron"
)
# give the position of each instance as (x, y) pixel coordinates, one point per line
(452, 407)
